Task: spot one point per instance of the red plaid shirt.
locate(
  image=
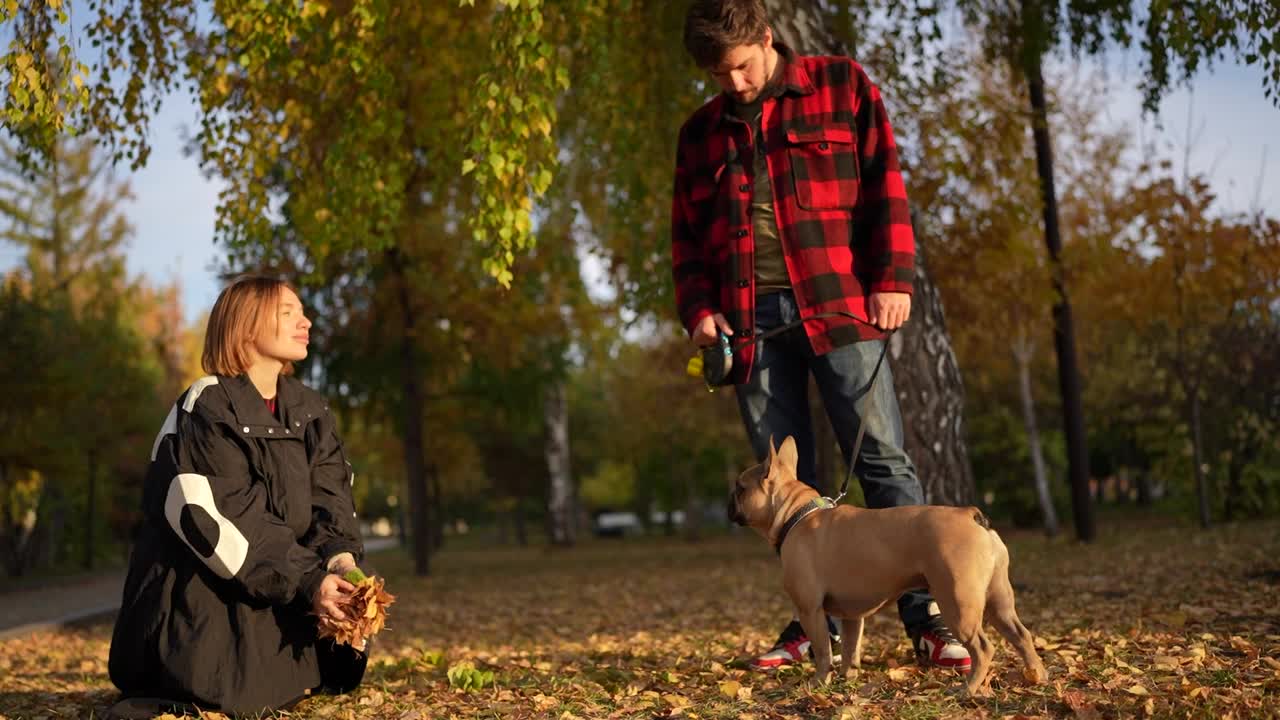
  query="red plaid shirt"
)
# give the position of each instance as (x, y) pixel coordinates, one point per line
(838, 195)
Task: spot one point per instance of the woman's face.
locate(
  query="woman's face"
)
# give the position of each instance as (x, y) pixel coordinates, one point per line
(286, 338)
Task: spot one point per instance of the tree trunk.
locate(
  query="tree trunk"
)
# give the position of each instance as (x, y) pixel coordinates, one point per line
(411, 424)
(930, 391)
(438, 519)
(555, 416)
(1146, 496)
(1064, 340)
(90, 508)
(1022, 354)
(402, 515)
(1197, 455)
(517, 519)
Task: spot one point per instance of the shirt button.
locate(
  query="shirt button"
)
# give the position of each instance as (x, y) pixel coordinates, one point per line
(744, 283)
(744, 187)
(742, 233)
(270, 431)
(822, 146)
(246, 429)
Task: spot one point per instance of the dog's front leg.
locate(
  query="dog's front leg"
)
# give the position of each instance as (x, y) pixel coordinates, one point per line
(851, 644)
(814, 623)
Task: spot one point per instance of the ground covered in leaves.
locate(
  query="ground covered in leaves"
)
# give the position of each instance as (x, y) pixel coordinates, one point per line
(1153, 622)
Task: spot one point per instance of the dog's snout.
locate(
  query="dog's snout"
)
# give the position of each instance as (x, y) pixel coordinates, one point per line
(735, 517)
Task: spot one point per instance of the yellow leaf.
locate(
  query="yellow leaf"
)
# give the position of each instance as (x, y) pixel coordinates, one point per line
(676, 700)
(730, 688)
(543, 702)
(1173, 619)
(899, 674)
(1137, 690)
(1166, 662)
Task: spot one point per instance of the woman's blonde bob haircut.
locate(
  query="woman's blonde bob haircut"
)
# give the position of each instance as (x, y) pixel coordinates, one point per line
(243, 309)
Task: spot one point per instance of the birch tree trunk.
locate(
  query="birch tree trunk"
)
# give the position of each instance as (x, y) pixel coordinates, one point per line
(555, 413)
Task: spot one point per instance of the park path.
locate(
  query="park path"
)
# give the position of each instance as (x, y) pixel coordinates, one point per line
(67, 600)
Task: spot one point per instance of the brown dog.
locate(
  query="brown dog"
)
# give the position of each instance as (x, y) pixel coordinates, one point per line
(848, 562)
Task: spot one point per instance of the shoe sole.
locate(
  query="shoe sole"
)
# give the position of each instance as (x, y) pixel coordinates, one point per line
(773, 665)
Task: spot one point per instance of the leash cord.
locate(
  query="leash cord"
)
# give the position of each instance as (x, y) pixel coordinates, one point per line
(862, 425)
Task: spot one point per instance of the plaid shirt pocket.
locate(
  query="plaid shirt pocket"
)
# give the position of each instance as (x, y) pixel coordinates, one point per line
(824, 164)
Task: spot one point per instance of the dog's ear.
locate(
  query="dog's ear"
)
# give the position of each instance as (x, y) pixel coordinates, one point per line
(768, 462)
(787, 457)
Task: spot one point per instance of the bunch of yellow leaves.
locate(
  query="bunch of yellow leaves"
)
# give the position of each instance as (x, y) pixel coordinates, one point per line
(365, 610)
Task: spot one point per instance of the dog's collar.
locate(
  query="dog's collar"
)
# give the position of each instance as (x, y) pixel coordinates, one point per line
(818, 503)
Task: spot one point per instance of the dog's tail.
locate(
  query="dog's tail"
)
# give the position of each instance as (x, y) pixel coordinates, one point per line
(981, 519)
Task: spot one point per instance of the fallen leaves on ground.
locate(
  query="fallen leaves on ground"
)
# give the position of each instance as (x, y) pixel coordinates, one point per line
(1164, 623)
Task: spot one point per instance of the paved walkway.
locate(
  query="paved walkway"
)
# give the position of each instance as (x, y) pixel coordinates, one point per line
(67, 600)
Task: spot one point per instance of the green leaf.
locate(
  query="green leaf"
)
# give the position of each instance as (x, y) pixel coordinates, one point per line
(355, 576)
(468, 165)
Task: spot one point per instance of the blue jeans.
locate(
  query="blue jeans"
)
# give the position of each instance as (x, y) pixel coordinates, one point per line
(775, 403)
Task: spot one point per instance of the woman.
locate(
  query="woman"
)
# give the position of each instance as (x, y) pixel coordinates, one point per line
(248, 524)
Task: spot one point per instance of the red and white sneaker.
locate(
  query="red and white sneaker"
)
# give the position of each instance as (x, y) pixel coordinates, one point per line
(792, 647)
(935, 646)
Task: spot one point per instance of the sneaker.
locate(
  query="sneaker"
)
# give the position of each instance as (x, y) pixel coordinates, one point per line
(792, 647)
(936, 646)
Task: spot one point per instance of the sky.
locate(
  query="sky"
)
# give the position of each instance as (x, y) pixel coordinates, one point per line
(1237, 131)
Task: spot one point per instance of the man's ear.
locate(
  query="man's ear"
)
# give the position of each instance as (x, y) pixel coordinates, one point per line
(787, 457)
(768, 37)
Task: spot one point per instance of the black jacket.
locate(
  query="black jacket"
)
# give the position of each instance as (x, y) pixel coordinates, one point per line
(241, 513)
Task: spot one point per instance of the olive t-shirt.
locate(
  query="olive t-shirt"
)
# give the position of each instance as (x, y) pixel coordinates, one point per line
(770, 267)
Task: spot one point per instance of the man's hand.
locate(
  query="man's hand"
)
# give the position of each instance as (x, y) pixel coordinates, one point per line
(705, 333)
(888, 310)
(332, 590)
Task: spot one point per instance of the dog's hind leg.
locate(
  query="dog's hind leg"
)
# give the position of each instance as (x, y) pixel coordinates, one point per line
(961, 604)
(851, 642)
(1000, 613)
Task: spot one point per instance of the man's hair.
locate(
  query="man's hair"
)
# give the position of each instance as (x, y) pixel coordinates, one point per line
(714, 27)
(243, 309)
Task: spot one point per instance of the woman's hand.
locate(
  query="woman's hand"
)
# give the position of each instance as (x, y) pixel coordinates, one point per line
(333, 589)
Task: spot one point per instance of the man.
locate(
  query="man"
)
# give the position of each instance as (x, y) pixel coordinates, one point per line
(789, 203)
